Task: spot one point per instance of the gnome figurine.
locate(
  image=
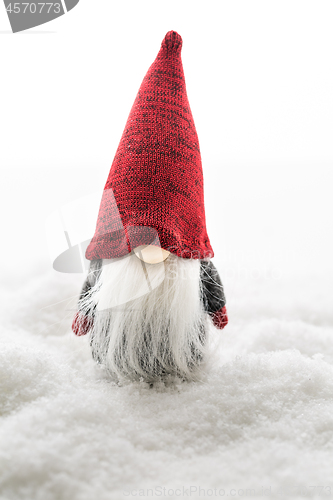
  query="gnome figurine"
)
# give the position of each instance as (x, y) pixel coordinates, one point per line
(152, 290)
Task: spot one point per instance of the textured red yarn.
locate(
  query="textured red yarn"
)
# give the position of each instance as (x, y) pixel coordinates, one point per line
(81, 324)
(156, 178)
(220, 318)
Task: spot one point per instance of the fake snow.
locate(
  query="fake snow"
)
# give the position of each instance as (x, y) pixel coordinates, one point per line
(260, 423)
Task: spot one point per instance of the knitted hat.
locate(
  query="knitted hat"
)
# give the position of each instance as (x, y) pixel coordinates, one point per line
(154, 191)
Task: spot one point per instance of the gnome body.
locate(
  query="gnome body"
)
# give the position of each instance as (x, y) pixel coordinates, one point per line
(152, 288)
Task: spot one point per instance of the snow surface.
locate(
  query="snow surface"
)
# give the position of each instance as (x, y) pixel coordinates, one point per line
(262, 419)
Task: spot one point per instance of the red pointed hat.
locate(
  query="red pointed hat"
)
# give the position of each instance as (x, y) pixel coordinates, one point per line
(154, 191)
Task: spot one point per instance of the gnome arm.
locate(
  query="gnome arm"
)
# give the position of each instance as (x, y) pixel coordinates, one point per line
(213, 294)
(83, 322)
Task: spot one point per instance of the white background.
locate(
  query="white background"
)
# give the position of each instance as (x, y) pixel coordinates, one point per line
(259, 77)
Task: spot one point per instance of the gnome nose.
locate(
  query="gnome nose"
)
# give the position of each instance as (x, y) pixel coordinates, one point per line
(151, 254)
(172, 42)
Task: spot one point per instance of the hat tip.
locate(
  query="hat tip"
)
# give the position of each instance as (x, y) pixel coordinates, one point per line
(172, 42)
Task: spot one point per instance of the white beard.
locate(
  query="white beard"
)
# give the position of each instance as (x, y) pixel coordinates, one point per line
(149, 320)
